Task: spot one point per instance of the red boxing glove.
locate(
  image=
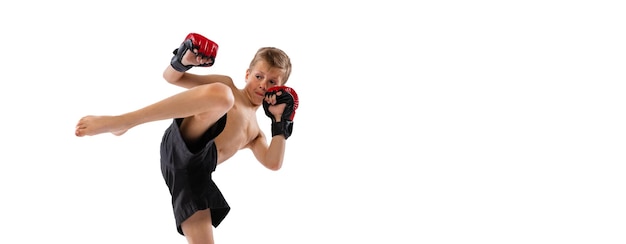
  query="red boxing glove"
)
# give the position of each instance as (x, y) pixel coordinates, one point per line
(289, 97)
(200, 46)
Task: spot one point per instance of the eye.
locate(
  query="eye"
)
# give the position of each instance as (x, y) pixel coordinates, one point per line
(272, 82)
(258, 77)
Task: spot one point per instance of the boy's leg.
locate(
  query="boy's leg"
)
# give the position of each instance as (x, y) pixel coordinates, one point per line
(198, 228)
(209, 102)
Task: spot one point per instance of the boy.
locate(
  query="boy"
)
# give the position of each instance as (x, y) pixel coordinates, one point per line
(211, 121)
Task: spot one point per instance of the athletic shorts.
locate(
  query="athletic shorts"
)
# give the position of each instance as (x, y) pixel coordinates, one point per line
(187, 172)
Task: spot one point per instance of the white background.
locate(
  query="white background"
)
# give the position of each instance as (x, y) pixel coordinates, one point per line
(419, 122)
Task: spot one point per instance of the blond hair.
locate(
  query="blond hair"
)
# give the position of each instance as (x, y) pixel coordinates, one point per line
(275, 58)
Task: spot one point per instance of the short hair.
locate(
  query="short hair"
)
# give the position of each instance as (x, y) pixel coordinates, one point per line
(275, 58)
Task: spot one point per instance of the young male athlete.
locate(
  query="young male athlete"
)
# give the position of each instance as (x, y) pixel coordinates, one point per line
(211, 121)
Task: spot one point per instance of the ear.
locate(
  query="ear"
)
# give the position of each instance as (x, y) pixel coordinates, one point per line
(247, 74)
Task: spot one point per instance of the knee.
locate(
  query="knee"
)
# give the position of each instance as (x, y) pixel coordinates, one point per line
(218, 96)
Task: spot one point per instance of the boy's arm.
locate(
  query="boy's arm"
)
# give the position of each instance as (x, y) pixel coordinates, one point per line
(188, 80)
(269, 156)
(280, 106)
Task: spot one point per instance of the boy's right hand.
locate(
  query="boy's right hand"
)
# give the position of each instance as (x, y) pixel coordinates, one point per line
(281, 95)
(196, 50)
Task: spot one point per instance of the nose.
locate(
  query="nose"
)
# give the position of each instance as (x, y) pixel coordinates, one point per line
(263, 85)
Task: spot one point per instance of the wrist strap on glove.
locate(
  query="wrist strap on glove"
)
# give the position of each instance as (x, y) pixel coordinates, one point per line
(284, 127)
(178, 56)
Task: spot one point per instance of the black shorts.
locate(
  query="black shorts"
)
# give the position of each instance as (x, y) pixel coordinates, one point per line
(187, 172)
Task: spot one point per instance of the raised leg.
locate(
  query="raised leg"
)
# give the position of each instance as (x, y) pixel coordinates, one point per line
(206, 103)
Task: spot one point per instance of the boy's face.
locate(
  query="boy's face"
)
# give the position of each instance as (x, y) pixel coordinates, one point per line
(260, 78)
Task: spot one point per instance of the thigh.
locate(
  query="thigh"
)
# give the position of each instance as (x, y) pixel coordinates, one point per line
(198, 129)
(198, 227)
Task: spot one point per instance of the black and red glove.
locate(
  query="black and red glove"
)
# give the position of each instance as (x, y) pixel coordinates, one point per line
(289, 97)
(200, 46)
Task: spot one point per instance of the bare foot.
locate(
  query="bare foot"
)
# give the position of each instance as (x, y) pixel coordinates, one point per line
(93, 125)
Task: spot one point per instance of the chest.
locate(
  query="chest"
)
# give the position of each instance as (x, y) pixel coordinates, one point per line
(241, 128)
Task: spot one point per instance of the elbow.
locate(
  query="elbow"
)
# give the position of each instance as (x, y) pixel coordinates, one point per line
(274, 167)
(272, 159)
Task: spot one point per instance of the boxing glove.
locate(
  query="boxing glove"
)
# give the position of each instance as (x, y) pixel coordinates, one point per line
(200, 46)
(289, 97)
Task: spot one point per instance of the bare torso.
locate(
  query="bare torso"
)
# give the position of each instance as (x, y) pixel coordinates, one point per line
(241, 128)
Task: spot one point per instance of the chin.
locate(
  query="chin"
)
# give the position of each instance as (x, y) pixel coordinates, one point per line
(258, 103)
(254, 98)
